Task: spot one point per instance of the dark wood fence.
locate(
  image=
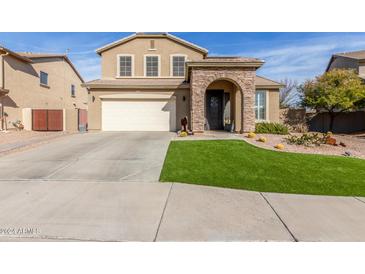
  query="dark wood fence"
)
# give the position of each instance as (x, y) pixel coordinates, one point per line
(343, 123)
(47, 119)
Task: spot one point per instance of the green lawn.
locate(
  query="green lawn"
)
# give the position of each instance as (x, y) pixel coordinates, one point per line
(236, 164)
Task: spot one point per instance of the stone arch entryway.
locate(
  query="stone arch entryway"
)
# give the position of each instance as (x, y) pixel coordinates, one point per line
(222, 105)
(243, 79)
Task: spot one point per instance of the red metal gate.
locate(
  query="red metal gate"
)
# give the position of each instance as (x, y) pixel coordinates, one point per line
(82, 120)
(47, 119)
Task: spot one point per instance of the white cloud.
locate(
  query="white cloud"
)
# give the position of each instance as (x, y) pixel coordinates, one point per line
(304, 59)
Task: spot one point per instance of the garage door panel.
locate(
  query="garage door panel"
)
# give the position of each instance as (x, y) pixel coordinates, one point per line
(138, 115)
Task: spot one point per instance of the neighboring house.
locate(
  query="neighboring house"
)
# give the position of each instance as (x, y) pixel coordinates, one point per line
(30, 81)
(349, 60)
(150, 82)
(349, 121)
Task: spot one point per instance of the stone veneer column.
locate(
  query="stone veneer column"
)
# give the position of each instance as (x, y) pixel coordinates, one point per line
(248, 104)
(197, 101)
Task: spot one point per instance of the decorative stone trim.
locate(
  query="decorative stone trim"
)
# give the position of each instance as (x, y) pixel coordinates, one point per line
(242, 77)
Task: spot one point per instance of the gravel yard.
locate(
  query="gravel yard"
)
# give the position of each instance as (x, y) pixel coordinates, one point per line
(355, 145)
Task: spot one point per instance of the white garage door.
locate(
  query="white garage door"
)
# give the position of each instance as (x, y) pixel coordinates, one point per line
(139, 115)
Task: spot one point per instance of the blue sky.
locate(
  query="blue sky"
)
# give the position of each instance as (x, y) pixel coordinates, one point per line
(296, 56)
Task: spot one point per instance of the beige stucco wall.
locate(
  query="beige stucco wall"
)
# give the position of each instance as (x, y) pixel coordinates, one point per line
(273, 105)
(94, 110)
(71, 120)
(22, 81)
(139, 47)
(362, 69)
(1, 71)
(183, 107)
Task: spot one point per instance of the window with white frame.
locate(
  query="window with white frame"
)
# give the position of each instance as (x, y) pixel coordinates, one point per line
(152, 66)
(43, 78)
(125, 65)
(73, 91)
(260, 105)
(178, 66)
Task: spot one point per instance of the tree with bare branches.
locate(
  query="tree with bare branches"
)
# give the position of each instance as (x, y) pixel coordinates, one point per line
(288, 96)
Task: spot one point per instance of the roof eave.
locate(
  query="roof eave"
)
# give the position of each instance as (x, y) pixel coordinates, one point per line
(15, 55)
(166, 35)
(269, 86)
(120, 86)
(3, 92)
(225, 64)
(330, 62)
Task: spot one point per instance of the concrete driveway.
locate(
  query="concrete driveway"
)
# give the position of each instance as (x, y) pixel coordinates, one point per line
(104, 156)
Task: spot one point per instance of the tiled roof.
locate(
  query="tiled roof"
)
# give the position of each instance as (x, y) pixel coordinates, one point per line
(230, 59)
(41, 55)
(358, 55)
(14, 54)
(262, 81)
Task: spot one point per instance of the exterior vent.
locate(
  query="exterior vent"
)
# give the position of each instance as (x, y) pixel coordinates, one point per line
(152, 44)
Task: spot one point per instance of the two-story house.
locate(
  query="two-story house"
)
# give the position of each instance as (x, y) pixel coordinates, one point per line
(151, 81)
(31, 82)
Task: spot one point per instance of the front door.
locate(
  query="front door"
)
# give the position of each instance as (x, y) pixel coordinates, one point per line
(214, 109)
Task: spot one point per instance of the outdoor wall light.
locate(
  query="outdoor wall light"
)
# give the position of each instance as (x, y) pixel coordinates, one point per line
(184, 98)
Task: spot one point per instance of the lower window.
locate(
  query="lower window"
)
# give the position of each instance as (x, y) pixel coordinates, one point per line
(260, 105)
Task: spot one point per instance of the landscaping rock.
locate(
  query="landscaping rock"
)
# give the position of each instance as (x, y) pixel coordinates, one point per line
(347, 153)
(342, 144)
(331, 141)
(251, 135)
(279, 146)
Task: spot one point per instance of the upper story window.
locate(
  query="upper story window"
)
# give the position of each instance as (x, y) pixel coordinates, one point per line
(73, 91)
(178, 65)
(260, 105)
(152, 65)
(125, 65)
(43, 78)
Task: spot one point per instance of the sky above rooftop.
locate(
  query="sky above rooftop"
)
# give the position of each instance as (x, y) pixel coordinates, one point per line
(296, 56)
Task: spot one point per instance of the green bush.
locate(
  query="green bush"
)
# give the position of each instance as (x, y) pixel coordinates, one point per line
(273, 128)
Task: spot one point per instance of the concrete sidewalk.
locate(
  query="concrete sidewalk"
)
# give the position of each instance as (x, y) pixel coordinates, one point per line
(66, 210)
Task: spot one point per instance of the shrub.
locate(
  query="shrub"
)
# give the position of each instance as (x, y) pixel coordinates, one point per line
(274, 128)
(262, 139)
(308, 139)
